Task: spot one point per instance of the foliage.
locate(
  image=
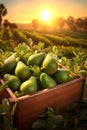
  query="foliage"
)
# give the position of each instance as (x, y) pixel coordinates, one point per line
(6, 115)
(18, 35)
(72, 34)
(75, 59)
(66, 40)
(6, 45)
(7, 34)
(75, 115)
(38, 38)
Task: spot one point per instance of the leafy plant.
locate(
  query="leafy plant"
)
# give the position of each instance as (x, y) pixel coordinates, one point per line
(76, 114)
(6, 115)
(76, 64)
(48, 120)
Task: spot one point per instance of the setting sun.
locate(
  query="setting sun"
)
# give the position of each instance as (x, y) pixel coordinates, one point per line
(46, 15)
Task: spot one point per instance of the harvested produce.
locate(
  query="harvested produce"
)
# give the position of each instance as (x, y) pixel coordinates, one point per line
(29, 86)
(36, 59)
(12, 81)
(22, 71)
(28, 70)
(50, 64)
(9, 63)
(47, 81)
(61, 76)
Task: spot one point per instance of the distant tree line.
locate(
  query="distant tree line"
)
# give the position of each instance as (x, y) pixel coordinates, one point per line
(79, 24)
(7, 24)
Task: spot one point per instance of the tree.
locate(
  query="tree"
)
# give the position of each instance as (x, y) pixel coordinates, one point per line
(71, 23)
(70, 20)
(13, 26)
(35, 23)
(6, 23)
(61, 22)
(3, 12)
(79, 23)
(85, 24)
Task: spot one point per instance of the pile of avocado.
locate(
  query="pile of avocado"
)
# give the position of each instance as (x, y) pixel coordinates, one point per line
(21, 79)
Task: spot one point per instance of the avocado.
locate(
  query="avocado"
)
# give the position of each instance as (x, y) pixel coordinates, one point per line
(12, 81)
(9, 64)
(47, 81)
(29, 86)
(50, 64)
(61, 76)
(22, 71)
(36, 59)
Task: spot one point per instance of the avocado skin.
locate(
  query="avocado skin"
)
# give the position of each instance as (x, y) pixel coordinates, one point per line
(50, 64)
(29, 86)
(9, 64)
(22, 71)
(61, 76)
(47, 81)
(36, 59)
(12, 81)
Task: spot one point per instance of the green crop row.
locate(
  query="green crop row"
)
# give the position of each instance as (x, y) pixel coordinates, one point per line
(56, 38)
(66, 40)
(37, 38)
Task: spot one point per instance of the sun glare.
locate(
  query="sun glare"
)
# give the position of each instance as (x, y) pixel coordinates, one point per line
(46, 15)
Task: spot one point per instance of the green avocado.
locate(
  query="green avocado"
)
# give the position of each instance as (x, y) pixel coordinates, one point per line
(36, 59)
(12, 81)
(61, 76)
(29, 86)
(47, 81)
(50, 64)
(22, 71)
(9, 64)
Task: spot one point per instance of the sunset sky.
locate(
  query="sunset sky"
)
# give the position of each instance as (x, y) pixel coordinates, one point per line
(26, 10)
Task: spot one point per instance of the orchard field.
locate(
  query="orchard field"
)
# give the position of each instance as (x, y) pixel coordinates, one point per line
(68, 45)
(71, 51)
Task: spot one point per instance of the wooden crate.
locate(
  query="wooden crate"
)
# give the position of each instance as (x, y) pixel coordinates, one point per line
(29, 107)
